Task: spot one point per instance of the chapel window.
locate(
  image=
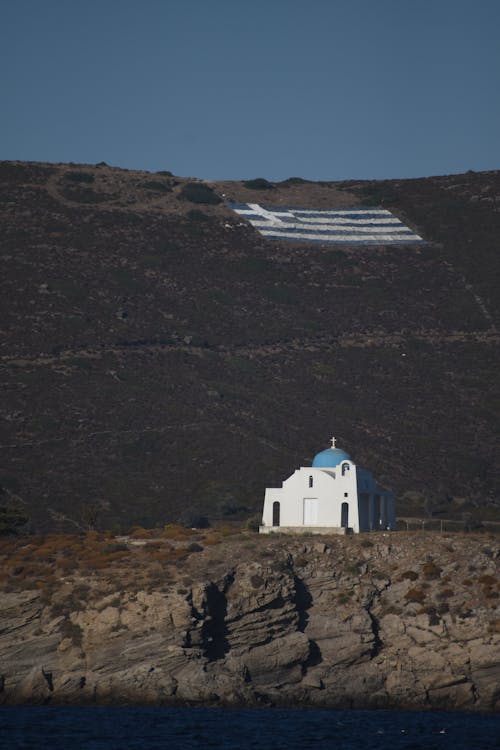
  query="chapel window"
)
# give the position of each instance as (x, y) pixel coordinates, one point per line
(310, 481)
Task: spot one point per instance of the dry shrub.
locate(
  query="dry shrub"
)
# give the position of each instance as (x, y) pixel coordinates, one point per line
(228, 530)
(487, 580)
(162, 556)
(72, 631)
(97, 561)
(444, 594)
(431, 571)
(211, 539)
(156, 544)
(50, 548)
(7, 546)
(301, 561)
(409, 575)
(176, 531)
(178, 554)
(138, 532)
(66, 564)
(415, 595)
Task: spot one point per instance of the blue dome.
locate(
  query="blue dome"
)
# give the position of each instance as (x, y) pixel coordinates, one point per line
(330, 458)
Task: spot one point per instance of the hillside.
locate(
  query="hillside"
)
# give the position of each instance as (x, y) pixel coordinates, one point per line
(387, 621)
(160, 360)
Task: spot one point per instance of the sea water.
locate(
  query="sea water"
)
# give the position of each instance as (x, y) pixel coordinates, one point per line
(148, 728)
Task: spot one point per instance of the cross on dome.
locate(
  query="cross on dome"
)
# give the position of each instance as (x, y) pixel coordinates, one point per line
(333, 442)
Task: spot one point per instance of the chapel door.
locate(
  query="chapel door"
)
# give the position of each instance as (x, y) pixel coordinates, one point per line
(310, 511)
(344, 516)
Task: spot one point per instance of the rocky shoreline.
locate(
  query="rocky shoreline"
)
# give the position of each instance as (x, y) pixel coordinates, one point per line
(401, 621)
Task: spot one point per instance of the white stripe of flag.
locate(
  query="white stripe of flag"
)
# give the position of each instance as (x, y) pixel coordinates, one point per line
(368, 226)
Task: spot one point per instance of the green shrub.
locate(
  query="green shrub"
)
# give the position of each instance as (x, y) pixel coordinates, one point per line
(253, 523)
(12, 520)
(194, 547)
(86, 195)
(194, 214)
(282, 295)
(197, 192)
(355, 568)
(366, 543)
(195, 521)
(115, 547)
(72, 631)
(444, 594)
(256, 581)
(295, 181)
(258, 184)
(158, 187)
(433, 615)
(79, 177)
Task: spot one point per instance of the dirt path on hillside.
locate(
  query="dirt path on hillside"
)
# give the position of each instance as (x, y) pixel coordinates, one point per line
(322, 343)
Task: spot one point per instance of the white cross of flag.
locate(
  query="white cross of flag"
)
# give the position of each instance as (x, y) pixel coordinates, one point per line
(351, 226)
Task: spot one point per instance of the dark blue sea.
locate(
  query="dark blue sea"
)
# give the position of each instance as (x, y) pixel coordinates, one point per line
(128, 728)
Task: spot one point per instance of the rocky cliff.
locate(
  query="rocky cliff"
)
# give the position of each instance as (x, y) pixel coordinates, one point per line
(382, 620)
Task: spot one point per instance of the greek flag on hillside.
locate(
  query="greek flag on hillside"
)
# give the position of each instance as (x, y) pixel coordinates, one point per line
(352, 226)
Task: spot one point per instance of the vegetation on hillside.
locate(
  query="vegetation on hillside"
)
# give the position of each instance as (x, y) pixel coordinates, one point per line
(181, 363)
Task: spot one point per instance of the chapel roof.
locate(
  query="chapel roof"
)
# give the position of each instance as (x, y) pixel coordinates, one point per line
(330, 457)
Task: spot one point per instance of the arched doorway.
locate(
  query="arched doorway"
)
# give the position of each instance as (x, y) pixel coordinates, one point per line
(344, 515)
(276, 513)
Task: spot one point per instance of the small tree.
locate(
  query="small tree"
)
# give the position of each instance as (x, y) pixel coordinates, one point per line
(197, 192)
(253, 523)
(258, 184)
(90, 515)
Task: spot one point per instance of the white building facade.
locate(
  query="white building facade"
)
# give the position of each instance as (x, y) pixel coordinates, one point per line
(332, 496)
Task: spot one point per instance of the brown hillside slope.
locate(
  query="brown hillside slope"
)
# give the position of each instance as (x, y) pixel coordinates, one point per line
(160, 359)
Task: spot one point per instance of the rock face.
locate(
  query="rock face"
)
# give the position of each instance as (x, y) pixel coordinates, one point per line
(392, 629)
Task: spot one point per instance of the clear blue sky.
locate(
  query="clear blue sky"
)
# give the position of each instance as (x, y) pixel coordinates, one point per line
(322, 89)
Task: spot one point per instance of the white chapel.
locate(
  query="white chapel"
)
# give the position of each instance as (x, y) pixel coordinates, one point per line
(332, 496)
